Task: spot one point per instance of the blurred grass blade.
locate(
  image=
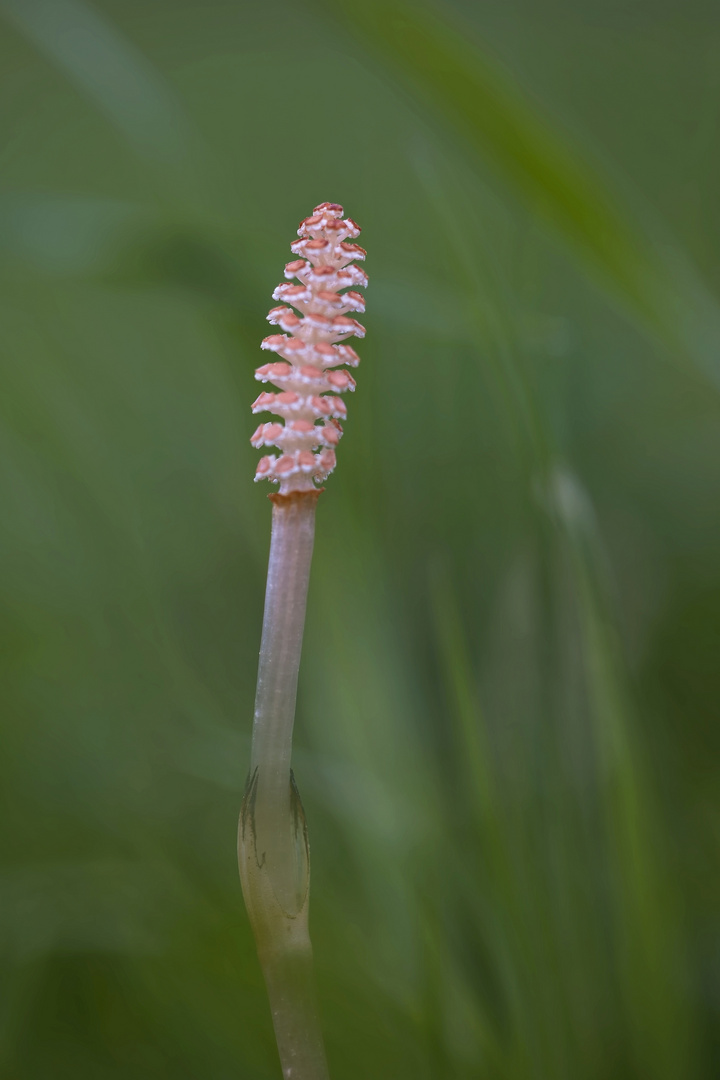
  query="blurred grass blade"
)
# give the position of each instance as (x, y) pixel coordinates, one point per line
(466, 709)
(464, 86)
(643, 894)
(108, 68)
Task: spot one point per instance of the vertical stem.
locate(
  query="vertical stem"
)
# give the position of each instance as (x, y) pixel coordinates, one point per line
(273, 851)
(291, 547)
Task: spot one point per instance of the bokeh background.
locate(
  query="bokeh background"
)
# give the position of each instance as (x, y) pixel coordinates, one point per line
(507, 736)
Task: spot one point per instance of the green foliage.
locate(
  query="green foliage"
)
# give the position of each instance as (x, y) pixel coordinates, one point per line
(506, 739)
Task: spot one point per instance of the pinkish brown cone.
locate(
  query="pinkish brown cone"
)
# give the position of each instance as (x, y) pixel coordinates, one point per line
(312, 350)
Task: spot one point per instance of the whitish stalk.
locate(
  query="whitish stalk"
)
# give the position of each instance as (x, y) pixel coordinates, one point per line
(273, 852)
(273, 848)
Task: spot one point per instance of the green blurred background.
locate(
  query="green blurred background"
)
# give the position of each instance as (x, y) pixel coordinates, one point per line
(507, 738)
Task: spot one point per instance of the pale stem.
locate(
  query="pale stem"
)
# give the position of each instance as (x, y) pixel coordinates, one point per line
(273, 851)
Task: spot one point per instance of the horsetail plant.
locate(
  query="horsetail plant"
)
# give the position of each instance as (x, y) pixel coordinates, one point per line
(273, 852)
